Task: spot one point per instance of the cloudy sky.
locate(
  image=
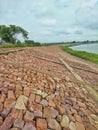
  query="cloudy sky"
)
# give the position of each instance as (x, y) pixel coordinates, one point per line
(53, 20)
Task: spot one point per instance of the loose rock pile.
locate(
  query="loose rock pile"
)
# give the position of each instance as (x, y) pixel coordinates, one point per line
(31, 100)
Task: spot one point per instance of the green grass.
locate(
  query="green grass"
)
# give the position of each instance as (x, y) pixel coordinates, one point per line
(82, 54)
(10, 45)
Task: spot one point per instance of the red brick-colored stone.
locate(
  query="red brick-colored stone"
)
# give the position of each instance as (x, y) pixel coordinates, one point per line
(26, 91)
(79, 126)
(9, 103)
(8, 122)
(1, 107)
(37, 107)
(1, 120)
(2, 98)
(37, 98)
(41, 124)
(28, 116)
(11, 95)
(32, 97)
(51, 103)
(61, 110)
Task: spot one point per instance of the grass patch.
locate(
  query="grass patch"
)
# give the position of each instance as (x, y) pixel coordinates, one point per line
(82, 54)
(10, 45)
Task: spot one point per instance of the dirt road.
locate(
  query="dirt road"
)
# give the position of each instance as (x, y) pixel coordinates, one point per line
(39, 92)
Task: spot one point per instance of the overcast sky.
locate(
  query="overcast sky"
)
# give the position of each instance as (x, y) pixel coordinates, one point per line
(53, 20)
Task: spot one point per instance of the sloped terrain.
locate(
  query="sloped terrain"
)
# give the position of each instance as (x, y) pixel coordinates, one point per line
(36, 94)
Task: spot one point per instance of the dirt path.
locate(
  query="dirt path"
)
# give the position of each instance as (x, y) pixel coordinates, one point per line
(39, 94)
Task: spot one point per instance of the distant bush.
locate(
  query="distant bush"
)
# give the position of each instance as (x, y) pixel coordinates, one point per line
(29, 41)
(32, 43)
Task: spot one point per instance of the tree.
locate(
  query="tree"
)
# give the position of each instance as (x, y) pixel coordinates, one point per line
(29, 41)
(10, 33)
(5, 33)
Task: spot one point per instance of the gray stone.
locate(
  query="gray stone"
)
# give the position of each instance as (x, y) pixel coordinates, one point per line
(19, 123)
(44, 102)
(4, 113)
(37, 114)
(29, 127)
(54, 112)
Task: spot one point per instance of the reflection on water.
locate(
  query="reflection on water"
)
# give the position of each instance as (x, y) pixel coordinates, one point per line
(93, 48)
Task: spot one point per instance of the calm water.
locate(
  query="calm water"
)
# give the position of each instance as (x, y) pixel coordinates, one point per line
(93, 48)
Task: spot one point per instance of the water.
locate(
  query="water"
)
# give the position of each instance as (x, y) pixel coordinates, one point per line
(93, 48)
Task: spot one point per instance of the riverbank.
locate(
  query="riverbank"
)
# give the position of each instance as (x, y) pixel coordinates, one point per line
(82, 54)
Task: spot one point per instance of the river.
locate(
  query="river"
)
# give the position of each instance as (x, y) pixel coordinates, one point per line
(93, 48)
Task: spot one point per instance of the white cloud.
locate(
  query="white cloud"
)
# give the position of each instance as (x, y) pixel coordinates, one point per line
(49, 22)
(88, 3)
(87, 17)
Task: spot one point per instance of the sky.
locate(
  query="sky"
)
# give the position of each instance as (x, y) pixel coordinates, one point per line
(53, 20)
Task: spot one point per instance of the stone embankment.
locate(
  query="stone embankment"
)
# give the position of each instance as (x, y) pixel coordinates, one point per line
(38, 94)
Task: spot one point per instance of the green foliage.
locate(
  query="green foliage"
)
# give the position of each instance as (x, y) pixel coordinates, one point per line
(10, 33)
(82, 54)
(32, 43)
(5, 33)
(10, 45)
(29, 41)
(37, 44)
(7, 45)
